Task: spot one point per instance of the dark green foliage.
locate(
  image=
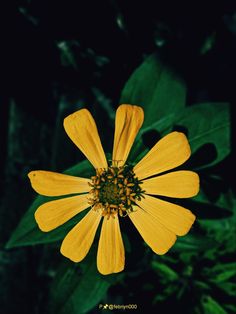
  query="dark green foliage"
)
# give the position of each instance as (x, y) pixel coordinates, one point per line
(178, 67)
(79, 289)
(153, 86)
(28, 233)
(206, 123)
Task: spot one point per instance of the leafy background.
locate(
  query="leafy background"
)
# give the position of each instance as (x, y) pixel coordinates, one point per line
(178, 62)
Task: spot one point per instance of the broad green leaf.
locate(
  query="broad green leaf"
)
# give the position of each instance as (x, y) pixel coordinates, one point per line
(162, 126)
(211, 306)
(208, 123)
(27, 231)
(78, 289)
(156, 88)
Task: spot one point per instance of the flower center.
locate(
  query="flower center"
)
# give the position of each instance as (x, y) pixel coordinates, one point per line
(114, 190)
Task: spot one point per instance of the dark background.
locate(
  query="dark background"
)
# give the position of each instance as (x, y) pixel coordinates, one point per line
(56, 56)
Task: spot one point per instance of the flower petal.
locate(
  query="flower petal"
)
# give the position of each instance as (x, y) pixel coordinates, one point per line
(158, 237)
(78, 241)
(82, 130)
(53, 214)
(129, 119)
(171, 151)
(55, 184)
(174, 184)
(111, 253)
(174, 217)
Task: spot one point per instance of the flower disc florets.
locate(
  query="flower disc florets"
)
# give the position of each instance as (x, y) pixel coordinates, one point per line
(114, 190)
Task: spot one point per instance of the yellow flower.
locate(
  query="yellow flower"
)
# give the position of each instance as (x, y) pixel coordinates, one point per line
(117, 190)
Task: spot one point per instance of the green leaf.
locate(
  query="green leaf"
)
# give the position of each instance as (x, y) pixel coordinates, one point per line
(211, 306)
(231, 307)
(223, 226)
(78, 289)
(208, 44)
(163, 126)
(208, 123)
(228, 287)
(156, 88)
(67, 54)
(164, 271)
(222, 272)
(192, 243)
(27, 231)
(201, 285)
(225, 200)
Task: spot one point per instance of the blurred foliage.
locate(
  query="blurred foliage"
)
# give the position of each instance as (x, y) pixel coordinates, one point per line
(178, 63)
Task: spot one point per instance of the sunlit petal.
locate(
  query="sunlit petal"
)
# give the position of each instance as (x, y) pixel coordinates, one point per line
(111, 254)
(170, 152)
(82, 130)
(54, 184)
(174, 217)
(174, 184)
(78, 241)
(53, 214)
(129, 119)
(158, 237)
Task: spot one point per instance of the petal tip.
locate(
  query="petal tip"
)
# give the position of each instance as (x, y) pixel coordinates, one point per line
(197, 183)
(75, 115)
(129, 107)
(110, 272)
(41, 225)
(166, 249)
(192, 219)
(31, 174)
(182, 137)
(81, 128)
(67, 253)
(41, 222)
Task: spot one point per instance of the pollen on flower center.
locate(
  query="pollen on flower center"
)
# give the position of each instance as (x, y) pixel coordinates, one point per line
(114, 190)
(109, 193)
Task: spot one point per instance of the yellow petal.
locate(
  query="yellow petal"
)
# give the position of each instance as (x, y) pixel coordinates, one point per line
(54, 184)
(174, 184)
(129, 119)
(174, 217)
(111, 253)
(53, 214)
(157, 236)
(82, 130)
(78, 241)
(171, 151)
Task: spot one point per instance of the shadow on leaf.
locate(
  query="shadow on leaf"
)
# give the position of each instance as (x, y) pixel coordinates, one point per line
(207, 211)
(203, 156)
(150, 138)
